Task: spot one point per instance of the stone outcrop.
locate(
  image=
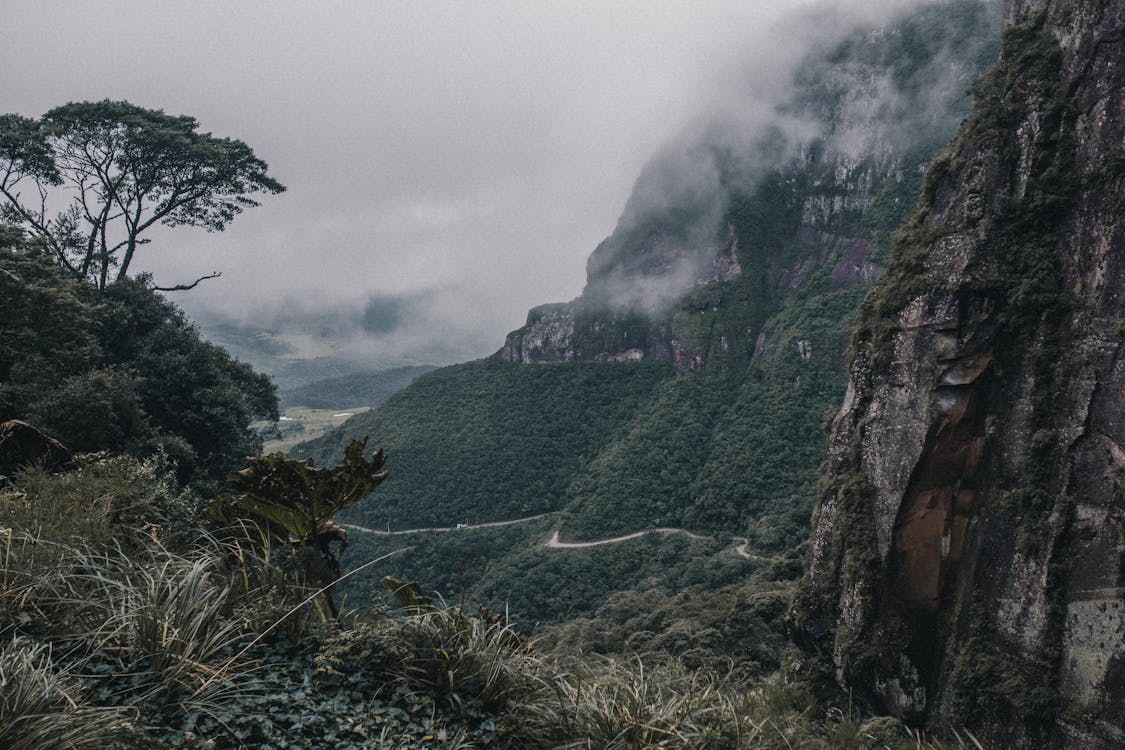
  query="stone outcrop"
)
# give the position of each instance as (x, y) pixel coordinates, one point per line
(968, 557)
(590, 329)
(548, 336)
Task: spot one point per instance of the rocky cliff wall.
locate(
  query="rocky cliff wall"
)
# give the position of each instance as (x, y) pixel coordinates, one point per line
(968, 558)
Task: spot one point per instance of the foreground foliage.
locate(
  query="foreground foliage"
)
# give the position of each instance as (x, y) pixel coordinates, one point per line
(124, 623)
(292, 504)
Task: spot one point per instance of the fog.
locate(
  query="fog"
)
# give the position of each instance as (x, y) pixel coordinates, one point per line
(449, 164)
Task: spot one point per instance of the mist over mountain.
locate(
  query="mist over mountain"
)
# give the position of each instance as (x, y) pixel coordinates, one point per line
(297, 343)
(687, 386)
(841, 149)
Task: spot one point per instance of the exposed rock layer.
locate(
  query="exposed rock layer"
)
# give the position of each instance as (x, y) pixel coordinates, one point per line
(968, 558)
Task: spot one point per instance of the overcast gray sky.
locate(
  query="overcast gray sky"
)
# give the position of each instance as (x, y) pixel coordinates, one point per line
(465, 156)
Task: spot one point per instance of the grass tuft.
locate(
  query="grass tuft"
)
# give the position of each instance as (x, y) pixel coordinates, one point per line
(41, 707)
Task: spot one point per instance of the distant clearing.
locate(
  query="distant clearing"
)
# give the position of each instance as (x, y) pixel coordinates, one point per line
(300, 423)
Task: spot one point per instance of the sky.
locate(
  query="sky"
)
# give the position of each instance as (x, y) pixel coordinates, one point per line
(449, 164)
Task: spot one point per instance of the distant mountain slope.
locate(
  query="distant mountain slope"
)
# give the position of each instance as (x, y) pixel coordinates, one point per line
(715, 219)
(689, 384)
(738, 448)
(485, 441)
(357, 389)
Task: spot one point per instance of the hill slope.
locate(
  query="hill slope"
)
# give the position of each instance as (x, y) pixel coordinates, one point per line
(356, 389)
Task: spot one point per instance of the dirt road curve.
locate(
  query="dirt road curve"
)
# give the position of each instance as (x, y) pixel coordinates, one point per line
(554, 542)
(741, 550)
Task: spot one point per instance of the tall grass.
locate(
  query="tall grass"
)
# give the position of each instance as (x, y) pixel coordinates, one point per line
(623, 705)
(41, 707)
(116, 638)
(616, 704)
(152, 625)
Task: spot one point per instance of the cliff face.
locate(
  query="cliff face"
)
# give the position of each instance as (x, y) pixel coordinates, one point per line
(968, 557)
(732, 215)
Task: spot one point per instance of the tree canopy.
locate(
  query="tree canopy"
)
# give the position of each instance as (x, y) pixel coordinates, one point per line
(88, 179)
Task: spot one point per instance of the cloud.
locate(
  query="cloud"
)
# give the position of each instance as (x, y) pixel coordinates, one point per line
(466, 157)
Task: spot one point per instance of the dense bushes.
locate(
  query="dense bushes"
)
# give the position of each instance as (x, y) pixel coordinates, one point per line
(122, 370)
(737, 628)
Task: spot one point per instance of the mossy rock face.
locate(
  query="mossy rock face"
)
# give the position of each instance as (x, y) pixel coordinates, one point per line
(979, 416)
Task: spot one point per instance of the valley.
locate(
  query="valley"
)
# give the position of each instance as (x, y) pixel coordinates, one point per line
(299, 423)
(827, 452)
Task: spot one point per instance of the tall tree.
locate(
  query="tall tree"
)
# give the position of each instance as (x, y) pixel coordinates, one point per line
(88, 179)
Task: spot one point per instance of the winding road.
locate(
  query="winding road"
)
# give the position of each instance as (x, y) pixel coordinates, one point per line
(440, 529)
(553, 542)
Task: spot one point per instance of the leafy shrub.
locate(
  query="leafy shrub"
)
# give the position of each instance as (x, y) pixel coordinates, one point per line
(103, 499)
(464, 661)
(122, 369)
(96, 410)
(292, 503)
(736, 629)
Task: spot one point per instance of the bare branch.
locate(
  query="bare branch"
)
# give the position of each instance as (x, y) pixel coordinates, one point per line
(37, 225)
(186, 287)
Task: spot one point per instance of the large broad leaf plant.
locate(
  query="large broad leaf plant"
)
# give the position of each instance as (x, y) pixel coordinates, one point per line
(293, 503)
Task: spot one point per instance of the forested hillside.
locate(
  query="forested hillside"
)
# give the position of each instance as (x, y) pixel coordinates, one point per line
(490, 442)
(355, 389)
